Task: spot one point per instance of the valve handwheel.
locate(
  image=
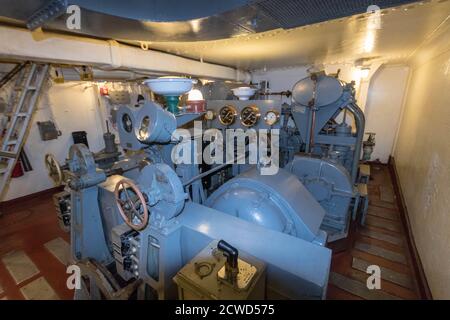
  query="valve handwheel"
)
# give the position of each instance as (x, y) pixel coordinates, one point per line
(54, 169)
(131, 204)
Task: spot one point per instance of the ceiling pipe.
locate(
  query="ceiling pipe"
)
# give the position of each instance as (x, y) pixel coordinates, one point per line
(21, 44)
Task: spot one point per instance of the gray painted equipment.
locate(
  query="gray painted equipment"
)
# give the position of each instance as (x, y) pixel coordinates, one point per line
(330, 184)
(279, 202)
(143, 217)
(177, 231)
(318, 103)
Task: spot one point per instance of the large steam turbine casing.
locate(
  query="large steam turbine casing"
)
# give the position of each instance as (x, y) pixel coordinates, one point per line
(331, 185)
(279, 202)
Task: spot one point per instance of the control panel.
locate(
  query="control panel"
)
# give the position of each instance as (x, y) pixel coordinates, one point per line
(252, 114)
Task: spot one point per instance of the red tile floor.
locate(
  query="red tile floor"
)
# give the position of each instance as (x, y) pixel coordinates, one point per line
(27, 227)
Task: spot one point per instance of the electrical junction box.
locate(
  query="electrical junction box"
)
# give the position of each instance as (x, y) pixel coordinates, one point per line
(203, 278)
(48, 131)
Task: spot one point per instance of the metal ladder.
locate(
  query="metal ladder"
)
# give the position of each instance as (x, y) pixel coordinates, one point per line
(20, 109)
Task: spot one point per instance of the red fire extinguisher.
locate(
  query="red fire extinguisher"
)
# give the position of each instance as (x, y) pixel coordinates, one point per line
(18, 170)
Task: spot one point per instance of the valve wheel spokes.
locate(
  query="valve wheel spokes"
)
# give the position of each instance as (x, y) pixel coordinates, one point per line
(54, 169)
(133, 202)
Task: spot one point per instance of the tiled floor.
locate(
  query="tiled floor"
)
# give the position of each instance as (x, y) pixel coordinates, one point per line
(381, 242)
(33, 251)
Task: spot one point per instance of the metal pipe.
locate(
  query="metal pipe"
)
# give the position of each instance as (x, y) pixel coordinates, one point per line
(360, 121)
(205, 174)
(312, 124)
(211, 171)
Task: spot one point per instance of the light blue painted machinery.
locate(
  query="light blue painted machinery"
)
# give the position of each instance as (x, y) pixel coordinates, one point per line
(332, 126)
(145, 221)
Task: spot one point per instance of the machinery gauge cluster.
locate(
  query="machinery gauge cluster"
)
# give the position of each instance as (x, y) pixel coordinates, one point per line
(250, 116)
(227, 115)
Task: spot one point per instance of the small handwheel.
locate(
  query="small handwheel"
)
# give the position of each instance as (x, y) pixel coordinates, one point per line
(54, 169)
(131, 204)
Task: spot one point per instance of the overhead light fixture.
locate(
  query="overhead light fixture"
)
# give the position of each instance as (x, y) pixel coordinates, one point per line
(369, 41)
(195, 101)
(195, 95)
(364, 73)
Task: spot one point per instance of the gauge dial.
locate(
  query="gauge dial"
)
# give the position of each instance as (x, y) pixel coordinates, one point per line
(143, 130)
(227, 115)
(271, 117)
(209, 115)
(250, 116)
(127, 123)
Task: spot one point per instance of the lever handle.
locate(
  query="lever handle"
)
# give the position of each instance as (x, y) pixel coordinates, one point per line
(230, 252)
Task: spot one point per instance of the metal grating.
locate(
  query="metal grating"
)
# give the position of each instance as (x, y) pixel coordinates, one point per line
(296, 13)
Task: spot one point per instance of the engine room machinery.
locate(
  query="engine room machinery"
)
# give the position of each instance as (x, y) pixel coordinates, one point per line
(152, 225)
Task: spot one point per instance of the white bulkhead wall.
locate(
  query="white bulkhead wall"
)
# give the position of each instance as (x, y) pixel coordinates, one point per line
(422, 156)
(72, 106)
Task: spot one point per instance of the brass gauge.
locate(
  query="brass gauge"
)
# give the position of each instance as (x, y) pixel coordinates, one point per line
(227, 115)
(250, 116)
(272, 117)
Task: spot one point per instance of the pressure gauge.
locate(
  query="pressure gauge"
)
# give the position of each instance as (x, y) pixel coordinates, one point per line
(227, 115)
(271, 117)
(209, 115)
(250, 116)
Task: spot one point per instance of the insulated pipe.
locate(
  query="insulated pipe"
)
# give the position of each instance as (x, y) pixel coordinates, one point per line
(107, 55)
(360, 121)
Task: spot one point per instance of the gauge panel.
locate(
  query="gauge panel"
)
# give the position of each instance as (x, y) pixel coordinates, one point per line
(250, 116)
(224, 116)
(227, 115)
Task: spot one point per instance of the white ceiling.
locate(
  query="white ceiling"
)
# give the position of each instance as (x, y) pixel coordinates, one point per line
(403, 30)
